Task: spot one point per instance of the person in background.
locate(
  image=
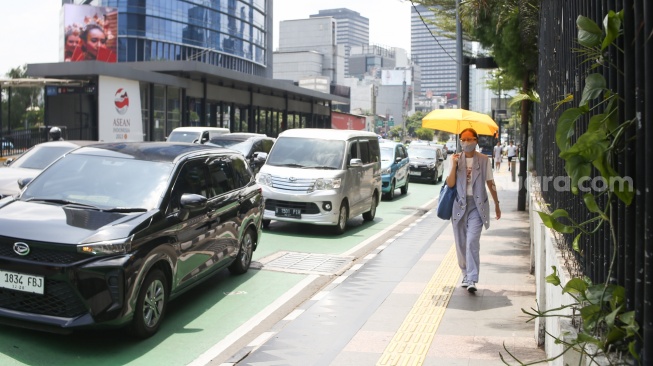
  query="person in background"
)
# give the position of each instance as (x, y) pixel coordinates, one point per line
(497, 155)
(93, 46)
(470, 172)
(512, 152)
(71, 42)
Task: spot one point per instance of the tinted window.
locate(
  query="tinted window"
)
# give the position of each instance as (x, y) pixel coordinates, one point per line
(364, 146)
(353, 150)
(222, 176)
(242, 174)
(40, 156)
(267, 145)
(374, 150)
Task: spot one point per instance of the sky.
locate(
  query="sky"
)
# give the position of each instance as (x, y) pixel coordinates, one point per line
(29, 29)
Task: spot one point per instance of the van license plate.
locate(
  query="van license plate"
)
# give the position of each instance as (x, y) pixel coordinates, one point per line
(415, 173)
(22, 282)
(288, 212)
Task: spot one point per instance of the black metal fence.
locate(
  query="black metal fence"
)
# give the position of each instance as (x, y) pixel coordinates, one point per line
(562, 71)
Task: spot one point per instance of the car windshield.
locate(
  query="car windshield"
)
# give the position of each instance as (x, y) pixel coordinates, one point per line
(307, 153)
(183, 136)
(387, 153)
(39, 157)
(103, 182)
(239, 145)
(421, 153)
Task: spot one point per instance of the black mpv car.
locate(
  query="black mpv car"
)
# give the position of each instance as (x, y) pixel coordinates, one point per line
(109, 233)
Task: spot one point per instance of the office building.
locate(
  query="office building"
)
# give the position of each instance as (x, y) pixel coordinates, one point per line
(169, 63)
(435, 56)
(352, 30)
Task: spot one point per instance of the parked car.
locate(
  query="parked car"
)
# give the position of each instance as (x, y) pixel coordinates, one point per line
(196, 135)
(426, 162)
(109, 233)
(322, 177)
(254, 146)
(31, 162)
(451, 146)
(394, 168)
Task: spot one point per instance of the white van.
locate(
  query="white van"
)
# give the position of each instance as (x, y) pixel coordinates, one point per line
(196, 135)
(321, 177)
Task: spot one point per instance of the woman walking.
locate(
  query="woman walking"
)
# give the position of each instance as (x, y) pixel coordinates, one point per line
(470, 172)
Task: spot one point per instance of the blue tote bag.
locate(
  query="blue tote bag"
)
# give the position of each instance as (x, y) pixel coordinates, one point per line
(448, 196)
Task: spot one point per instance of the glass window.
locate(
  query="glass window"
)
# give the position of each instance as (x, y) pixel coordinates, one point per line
(364, 147)
(222, 177)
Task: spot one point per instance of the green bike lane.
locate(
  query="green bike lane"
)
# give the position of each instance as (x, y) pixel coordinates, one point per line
(202, 324)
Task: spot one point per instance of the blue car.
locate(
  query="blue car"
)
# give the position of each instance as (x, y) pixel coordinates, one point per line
(394, 168)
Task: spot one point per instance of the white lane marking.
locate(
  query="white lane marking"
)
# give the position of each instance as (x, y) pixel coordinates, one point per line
(294, 314)
(241, 331)
(261, 339)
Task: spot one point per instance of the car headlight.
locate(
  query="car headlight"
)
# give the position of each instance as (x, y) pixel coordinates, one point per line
(117, 246)
(431, 165)
(387, 170)
(322, 184)
(265, 180)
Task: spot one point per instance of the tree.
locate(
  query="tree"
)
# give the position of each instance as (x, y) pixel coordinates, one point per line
(26, 103)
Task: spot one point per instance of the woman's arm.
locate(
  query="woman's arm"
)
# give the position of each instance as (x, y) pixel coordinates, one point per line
(451, 178)
(493, 191)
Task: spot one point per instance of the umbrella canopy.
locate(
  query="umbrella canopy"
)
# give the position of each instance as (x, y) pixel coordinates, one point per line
(456, 120)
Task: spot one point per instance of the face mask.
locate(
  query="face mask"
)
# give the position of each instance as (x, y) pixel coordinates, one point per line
(468, 146)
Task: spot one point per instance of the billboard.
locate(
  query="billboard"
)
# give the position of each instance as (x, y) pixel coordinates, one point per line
(345, 121)
(396, 77)
(89, 33)
(119, 108)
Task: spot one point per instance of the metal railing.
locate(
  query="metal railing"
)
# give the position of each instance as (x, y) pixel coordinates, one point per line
(562, 72)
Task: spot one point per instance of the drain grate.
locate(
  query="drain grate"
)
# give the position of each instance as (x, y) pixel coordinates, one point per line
(310, 263)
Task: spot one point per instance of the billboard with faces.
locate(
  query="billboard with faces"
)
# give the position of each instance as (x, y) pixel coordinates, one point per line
(90, 33)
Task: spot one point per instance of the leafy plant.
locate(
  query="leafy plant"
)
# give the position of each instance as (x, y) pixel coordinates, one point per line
(605, 321)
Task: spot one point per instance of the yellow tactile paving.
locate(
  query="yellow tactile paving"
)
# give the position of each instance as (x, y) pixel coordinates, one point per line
(411, 343)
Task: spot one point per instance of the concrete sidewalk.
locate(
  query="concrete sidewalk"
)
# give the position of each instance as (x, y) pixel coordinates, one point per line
(473, 328)
(403, 305)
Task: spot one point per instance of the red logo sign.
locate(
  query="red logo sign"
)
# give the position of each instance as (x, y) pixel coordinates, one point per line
(121, 100)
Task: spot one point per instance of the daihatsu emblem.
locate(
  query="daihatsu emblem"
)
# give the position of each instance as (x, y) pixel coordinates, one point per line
(292, 179)
(21, 248)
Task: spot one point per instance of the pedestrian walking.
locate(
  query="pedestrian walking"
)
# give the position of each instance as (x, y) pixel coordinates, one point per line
(497, 154)
(512, 152)
(470, 172)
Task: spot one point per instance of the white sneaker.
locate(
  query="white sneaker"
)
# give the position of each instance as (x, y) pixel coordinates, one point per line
(471, 286)
(464, 283)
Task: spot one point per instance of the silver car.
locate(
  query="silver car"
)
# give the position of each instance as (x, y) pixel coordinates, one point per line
(321, 177)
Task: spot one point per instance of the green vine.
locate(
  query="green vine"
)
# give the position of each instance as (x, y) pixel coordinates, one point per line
(605, 322)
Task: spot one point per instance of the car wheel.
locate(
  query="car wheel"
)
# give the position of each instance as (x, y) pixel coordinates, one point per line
(391, 194)
(342, 218)
(404, 189)
(266, 224)
(150, 305)
(369, 215)
(244, 257)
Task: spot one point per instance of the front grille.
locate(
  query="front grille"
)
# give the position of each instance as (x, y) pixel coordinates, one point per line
(59, 300)
(306, 207)
(61, 254)
(293, 184)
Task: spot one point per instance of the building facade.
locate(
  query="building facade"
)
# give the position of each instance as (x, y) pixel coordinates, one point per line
(352, 29)
(179, 63)
(308, 48)
(233, 34)
(436, 57)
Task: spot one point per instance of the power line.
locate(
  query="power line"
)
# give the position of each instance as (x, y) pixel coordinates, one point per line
(433, 35)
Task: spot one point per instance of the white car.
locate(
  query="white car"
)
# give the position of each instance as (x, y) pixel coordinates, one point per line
(31, 162)
(196, 135)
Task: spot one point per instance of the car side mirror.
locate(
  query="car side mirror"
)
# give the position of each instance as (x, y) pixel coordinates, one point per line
(22, 182)
(8, 161)
(204, 140)
(398, 160)
(192, 201)
(260, 157)
(355, 162)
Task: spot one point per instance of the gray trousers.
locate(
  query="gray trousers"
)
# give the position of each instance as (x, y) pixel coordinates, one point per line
(467, 234)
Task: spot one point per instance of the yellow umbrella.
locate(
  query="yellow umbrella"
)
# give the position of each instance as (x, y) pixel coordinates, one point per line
(456, 120)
